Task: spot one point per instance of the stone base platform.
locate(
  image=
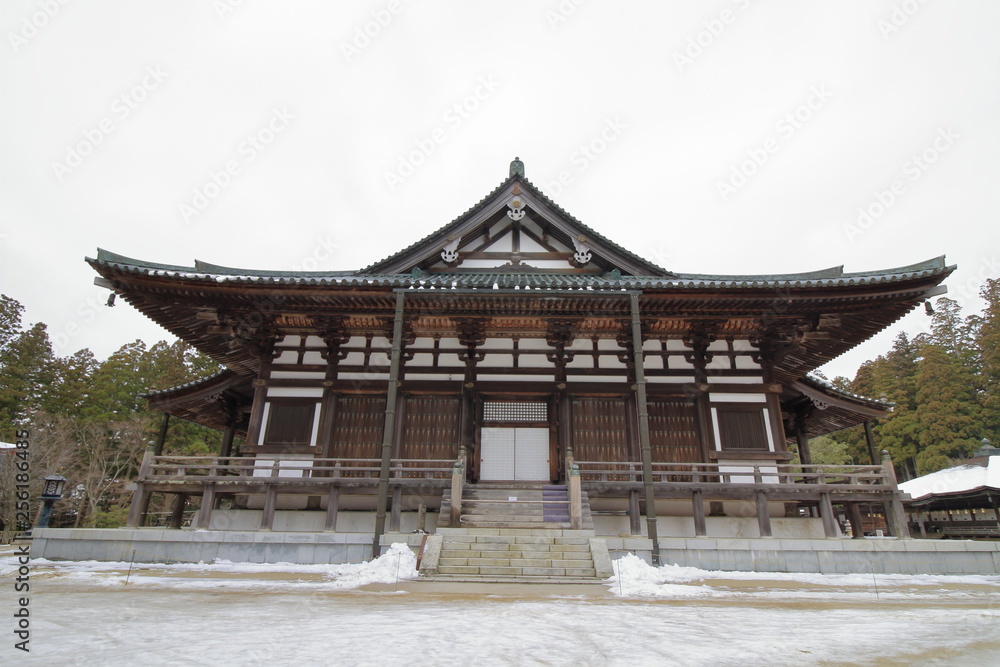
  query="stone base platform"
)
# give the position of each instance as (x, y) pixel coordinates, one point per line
(157, 545)
(823, 556)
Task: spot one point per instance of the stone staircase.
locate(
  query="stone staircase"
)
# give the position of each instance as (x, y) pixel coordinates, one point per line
(516, 533)
(542, 506)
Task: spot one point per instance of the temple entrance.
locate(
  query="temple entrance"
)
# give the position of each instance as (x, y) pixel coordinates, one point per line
(514, 442)
(515, 454)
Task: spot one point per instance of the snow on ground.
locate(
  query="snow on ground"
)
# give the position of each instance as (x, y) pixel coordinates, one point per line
(244, 614)
(633, 577)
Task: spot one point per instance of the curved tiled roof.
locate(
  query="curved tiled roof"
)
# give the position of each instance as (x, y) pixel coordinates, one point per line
(204, 272)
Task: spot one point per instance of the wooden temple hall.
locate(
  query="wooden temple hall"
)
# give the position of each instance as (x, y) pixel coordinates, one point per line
(515, 369)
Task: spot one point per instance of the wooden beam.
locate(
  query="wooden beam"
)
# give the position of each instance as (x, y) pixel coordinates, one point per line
(161, 438)
(857, 523)
(763, 518)
(207, 505)
(177, 512)
(634, 518)
(805, 456)
(870, 440)
(698, 509)
(270, 502)
(397, 509)
(826, 513)
(332, 509)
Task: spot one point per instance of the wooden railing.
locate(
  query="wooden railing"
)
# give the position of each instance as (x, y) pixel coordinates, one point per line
(769, 474)
(220, 469)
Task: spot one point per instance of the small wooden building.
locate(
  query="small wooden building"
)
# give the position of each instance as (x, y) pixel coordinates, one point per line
(961, 502)
(517, 348)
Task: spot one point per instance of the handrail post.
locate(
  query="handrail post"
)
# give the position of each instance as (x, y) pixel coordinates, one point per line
(895, 514)
(457, 487)
(575, 498)
(140, 498)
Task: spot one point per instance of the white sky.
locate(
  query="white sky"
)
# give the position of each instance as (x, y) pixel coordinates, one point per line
(885, 81)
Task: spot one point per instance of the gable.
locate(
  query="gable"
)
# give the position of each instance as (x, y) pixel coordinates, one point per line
(516, 228)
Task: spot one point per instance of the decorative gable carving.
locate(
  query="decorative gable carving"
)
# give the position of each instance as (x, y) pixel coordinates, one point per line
(516, 228)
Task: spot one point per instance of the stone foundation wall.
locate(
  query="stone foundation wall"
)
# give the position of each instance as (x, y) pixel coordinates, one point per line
(824, 556)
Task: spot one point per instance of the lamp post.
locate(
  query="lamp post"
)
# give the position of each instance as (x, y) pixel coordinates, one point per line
(51, 492)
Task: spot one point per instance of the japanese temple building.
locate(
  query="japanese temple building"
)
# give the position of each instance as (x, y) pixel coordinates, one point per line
(517, 371)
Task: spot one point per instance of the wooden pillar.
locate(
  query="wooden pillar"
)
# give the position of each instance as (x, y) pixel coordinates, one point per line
(698, 509)
(763, 518)
(332, 509)
(140, 503)
(270, 502)
(226, 448)
(207, 505)
(397, 509)
(259, 399)
(575, 497)
(644, 442)
(805, 456)
(162, 437)
(872, 450)
(389, 427)
(177, 513)
(634, 518)
(140, 499)
(457, 490)
(826, 513)
(857, 523)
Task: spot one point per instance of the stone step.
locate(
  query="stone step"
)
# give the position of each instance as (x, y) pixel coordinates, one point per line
(508, 510)
(447, 554)
(515, 524)
(544, 534)
(539, 519)
(518, 571)
(516, 562)
(523, 579)
(515, 485)
(484, 537)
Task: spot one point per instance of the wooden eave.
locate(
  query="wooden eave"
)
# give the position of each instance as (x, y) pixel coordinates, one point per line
(822, 409)
(201, 401)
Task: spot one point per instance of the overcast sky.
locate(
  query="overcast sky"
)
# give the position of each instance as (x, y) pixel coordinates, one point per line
(734, 136)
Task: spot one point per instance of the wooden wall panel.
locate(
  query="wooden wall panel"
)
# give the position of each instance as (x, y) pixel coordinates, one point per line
(431, 428)
(357, 433)
(599, 429)
(673, 431)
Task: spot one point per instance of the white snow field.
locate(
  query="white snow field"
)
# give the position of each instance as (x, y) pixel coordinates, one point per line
(381, 613)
